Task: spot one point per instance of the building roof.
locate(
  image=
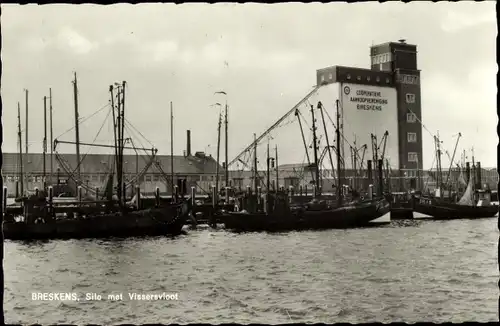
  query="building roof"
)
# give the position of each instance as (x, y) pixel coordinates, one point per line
(100, 163)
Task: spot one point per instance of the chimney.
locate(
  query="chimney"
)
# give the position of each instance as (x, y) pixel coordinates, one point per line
(188, 146)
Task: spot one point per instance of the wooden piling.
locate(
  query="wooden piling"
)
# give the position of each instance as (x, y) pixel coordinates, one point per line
(227, 195)
(138, 196)
(4, 200)
(176, 193)
(51, 202)
(193, 196)
(80, 195)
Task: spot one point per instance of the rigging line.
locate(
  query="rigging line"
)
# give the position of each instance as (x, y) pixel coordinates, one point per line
(95, 138)
(420, 121)
(81, 120)
(150, 156)
(341, 134)
(131, 125)
(430, 170)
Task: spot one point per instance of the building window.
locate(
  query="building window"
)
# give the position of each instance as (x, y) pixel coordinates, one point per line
(147, 178)
(411, 118)
(377, 79)
(408, 79)
(358, 78)
(322, 78)
(387, 80)
(330, 76)
(412, 157)
(348, 76)
(412, 137)
(410, 98)
(368, 78)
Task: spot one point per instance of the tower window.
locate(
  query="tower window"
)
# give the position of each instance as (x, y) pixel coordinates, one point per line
(411, 118)
(412, 157)
(411, 137)
(410, 98)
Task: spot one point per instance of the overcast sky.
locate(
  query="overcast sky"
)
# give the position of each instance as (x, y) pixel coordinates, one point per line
(264, 56)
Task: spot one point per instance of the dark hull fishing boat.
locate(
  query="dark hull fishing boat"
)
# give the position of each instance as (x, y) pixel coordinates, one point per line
(349, 216)
(442, 210)
(150, 222)
(105, 216)
(278, 215)
(466, 208)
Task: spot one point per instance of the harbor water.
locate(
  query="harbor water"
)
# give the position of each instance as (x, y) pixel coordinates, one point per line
(407, 271)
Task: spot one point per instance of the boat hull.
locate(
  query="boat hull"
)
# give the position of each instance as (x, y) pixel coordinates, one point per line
(152, 222)
(448, 211)
(339, 218)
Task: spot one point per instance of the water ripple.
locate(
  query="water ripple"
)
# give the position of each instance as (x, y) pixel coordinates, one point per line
(407, 271)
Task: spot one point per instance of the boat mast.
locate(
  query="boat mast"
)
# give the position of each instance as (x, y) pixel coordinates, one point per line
(320, 106)
(315, 148)
(277, 169)
(26, 132)
(438, 164)
(122, 143)
(172, 149)
(21, 175)
(77, 128)
(268, 170)
(44, 141)
(339, 174)
(218, 155)
(304, 141)
(114, 118)
(255, 183)
(452, 159)
(51, 138)
(114, 127)
(226, 149)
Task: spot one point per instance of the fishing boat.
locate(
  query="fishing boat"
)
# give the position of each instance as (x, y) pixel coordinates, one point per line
(401, 206)
(272, 211)
(109, 215)
(125, 223)
(466, 208)
(284, 217)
